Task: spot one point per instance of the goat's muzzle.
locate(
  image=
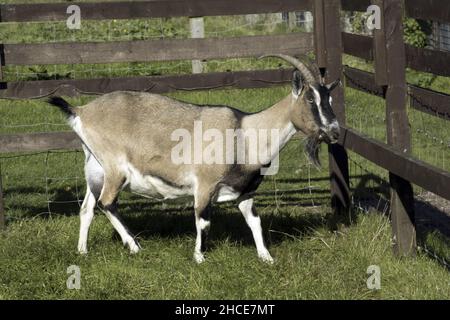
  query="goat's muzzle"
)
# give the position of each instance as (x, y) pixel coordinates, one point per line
(330, 133)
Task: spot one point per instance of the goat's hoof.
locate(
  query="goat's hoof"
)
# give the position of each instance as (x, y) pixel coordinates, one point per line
(82, 250)
(134, 247)
(199, 257)
(266, 257)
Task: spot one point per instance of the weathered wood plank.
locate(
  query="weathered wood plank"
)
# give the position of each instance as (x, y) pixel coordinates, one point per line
(362, 81)
(358, 45)
(398, 130)
(420, 59)
(380, 50)
(355, 5)
(424, 100)
(431, 102)
(436, 10)
(426, 60)
(418, 172)
(154, 84)
(147, 9)
(338, 159)
(319, 33)
(29, 142)
(156, 50)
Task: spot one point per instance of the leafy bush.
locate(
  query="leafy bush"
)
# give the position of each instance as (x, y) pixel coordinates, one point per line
(415, 33)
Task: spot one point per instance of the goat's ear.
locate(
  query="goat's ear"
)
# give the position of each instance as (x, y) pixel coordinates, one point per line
(333, 85)
(297, 83)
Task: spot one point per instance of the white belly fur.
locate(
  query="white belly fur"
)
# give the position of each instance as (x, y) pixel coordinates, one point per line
(152, 186)
(227, 193)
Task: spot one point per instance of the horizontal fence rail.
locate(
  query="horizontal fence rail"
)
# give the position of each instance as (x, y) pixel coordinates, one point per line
(147, 9)
(425, 60)
(425, 100)
(436, 10)
(43, 141)
(418, 172)
(155, 50)
(431, 102)
(154, 84)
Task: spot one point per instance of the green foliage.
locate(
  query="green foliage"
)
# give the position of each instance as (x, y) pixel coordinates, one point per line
(421, 79)
(414, 33)
(358, 22)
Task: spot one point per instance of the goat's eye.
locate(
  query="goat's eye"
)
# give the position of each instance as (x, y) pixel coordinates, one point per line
(311, 101)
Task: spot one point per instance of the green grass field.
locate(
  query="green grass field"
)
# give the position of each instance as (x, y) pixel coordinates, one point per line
(42, 193)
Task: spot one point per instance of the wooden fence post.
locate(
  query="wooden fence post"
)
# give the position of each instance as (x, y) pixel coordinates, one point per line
(197, 31)
(328, 41)
(319, 33)
(390, 68)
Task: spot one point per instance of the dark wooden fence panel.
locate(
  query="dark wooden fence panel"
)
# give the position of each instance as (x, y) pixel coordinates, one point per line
(147, 9)
(391, 62)
(329, 57)
(421, 99)
(425, 60)
(418, 172)
(362, 81)
(355, 5)
(436, 10)
(156, 50)
(154, 84)
(431, 102)
(358, 45)
(319, 33)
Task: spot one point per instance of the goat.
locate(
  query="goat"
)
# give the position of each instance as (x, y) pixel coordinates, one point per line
(126, 137)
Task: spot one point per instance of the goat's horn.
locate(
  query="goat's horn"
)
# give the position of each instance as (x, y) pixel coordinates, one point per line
(307, 74)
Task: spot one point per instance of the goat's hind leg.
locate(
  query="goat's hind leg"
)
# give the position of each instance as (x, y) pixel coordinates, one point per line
(108, 201)
(86, 216)
(202, 209)
(94, 183)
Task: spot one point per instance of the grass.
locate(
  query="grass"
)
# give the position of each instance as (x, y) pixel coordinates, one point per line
(42, 193)
(317, 265)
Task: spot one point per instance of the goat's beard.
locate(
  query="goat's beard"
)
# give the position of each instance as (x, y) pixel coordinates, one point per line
(312, 149)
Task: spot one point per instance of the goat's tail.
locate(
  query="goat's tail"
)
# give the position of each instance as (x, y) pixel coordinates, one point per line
(63, 105)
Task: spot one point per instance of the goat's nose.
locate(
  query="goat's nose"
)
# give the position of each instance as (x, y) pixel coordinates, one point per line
(333, 132)
(334, 136)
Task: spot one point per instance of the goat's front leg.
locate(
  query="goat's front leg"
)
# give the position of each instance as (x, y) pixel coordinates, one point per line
(202, 207)
(254, 222)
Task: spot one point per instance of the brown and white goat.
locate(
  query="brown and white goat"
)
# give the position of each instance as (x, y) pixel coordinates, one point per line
(127, 139)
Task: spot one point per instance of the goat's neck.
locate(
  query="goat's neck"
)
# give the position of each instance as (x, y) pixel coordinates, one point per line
(276, 117)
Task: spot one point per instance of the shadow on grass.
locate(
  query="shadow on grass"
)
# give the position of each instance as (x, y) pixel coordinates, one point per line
(226, 223)
(148, 218)
(432, 213)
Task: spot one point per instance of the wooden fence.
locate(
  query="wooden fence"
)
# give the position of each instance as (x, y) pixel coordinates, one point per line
(386, 49)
